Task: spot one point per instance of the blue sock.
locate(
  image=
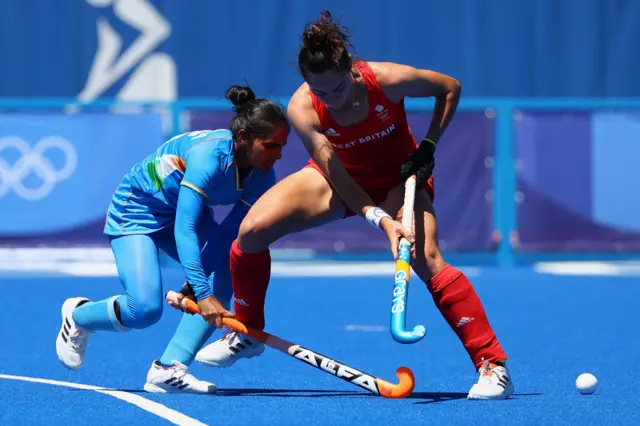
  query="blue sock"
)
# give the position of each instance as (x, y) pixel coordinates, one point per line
(191, 334)
(193, 331)
(98, 316)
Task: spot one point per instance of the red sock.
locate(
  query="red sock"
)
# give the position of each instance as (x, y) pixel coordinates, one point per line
(250, 274)
(460, 306)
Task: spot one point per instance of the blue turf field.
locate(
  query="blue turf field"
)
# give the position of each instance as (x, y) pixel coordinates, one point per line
(553, 328)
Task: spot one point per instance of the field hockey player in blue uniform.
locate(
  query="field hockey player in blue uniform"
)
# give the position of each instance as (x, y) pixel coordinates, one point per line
(163, 204)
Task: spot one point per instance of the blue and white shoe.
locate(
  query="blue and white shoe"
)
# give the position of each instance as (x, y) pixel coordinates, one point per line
(175, 379)
(72, 340)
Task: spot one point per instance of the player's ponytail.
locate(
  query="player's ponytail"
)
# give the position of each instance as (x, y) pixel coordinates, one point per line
(324, 47)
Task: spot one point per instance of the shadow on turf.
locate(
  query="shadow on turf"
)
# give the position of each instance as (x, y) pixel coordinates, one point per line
(299, 393)
(424, 397)
(431, 397)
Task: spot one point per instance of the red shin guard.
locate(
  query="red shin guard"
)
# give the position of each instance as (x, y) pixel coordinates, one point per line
(250, 274)
(460, 306)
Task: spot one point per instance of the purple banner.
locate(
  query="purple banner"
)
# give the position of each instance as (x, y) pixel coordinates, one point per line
(463, 185)
(572, 168)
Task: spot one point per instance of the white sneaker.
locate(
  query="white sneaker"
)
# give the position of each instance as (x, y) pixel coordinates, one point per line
(494, 383)
(226, 351)
(72, 340)
(175, 379)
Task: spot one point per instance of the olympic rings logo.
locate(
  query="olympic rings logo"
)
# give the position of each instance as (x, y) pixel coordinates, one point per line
(35, 161)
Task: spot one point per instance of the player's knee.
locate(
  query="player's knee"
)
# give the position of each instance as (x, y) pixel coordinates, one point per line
(146, 312)
(254, 233)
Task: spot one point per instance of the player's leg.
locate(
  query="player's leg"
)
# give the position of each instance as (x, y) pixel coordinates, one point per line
(193, 331)
(138, 266)
(300, 201)
(456, 299)
(169, 373)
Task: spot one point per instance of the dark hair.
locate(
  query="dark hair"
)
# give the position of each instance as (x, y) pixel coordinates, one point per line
(324, 47)
(257, 117)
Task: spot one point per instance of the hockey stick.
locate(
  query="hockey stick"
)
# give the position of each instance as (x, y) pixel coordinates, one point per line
(403, 274)
(366, 381)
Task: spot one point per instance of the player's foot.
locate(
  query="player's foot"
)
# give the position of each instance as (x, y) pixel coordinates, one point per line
(226, 351)
(175, 379)
(72, 340)
(494, 383)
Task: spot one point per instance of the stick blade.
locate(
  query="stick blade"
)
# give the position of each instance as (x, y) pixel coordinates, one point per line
(404, 387)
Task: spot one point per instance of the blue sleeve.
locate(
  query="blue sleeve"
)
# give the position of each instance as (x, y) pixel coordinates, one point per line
(190, 205)
(201, 171)
(219, 244)
(188, 217)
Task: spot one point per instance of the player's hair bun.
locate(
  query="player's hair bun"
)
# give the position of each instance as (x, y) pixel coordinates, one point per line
(240, 96)
(324, 34)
